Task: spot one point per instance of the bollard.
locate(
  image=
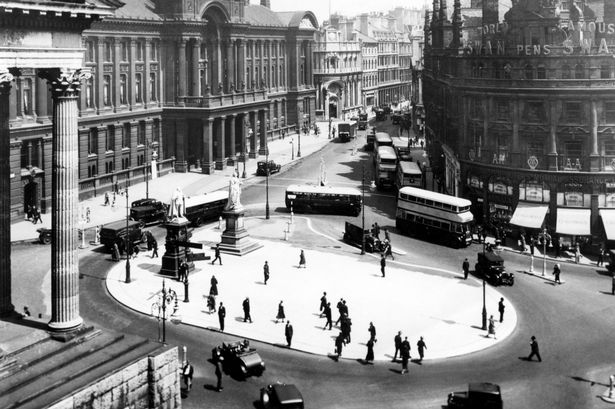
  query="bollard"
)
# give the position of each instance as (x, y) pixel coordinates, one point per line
(292, 217)
(82, 237)
(531, 264)
(220, 223)
(285, 235)
(288, 226)
(186, 299)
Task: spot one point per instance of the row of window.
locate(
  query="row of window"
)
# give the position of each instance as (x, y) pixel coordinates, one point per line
(123, 90)
(124, 137)
(108, 54)
(530, 72)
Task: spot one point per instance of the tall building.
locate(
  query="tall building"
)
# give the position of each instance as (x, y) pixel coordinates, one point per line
(173, 84)
(523, 121)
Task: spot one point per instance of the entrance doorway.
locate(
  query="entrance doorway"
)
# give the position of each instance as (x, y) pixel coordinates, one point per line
(332, 108)
(30, 195)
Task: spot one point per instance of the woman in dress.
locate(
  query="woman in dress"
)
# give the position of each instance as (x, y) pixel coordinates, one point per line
(370, 351)
(491, 328)
(302, 259)
(281, 315)
(214, 286)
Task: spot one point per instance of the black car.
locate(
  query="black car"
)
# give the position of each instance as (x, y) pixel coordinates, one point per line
(491, 266)
(44, 235)
(352, 235)
(281, 396)
(262, 166)
(239, 358)
(483, 395)
(148, 211)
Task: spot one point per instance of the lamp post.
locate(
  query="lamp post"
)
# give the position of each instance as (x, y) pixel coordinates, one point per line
(245, 153)
(267, 181)
(159, 309)
(363, 211)
(484, 315)
(127, 239)
(545, 236)
(147, 166)
(292, 148)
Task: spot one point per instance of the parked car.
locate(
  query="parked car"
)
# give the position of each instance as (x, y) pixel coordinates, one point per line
(262, 167)
(148, 211)
(483, 395)
(44, 235)
(491, 266)
(281, 396)
(352, 235)
(239, 358)
(115, 232)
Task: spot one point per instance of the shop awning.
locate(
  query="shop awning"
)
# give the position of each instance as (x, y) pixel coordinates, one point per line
(573, 221)
(608, 220)
(530, 215)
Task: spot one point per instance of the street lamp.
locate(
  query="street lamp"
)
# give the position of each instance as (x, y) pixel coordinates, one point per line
(292, 148)
(267, 181)
(147, 165)
(127, 239)
(484, 292)
(159, 309)
(372, 186)
(245, 153)
(545, 236)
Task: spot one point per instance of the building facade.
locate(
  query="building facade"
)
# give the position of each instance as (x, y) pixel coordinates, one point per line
(524, 118)
(175, 86)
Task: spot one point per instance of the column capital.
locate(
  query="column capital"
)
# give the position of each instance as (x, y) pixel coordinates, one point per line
(64, 82)
(5, 81)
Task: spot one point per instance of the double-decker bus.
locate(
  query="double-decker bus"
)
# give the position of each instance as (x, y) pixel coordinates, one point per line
(401, 148)
(434, 216)
(386, 166)
(382, 139)
(408, 174)
(204, 207)
(362, 124)
(323, 199)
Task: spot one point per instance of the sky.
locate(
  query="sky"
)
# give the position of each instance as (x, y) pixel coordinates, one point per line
(343, 7)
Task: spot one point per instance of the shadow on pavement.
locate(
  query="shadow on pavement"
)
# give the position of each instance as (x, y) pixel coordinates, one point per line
(591, 383)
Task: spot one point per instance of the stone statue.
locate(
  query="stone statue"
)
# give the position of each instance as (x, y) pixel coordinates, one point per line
(177, 209)
(220, 87)
(323, 172)
(243, 85)
(234, 193)
(232, 87)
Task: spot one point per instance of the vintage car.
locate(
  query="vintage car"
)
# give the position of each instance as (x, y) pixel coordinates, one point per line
(148, 211)
(482, 395)
(281, 396)
(239, 358)
(352, 235)
(115, 233)
(262, 166)
(44, 235)
(491, 266)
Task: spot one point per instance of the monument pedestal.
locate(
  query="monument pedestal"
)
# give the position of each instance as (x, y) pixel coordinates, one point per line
(235, 238)
(175, 254)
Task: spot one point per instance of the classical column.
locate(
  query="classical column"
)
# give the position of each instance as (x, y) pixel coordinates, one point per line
(230, 67)
(65, 87)
(207, 159)
(516, 150)
(219, 144)
(147, 92)
(218, 67)
(552, 155)
(232, 151)
(99, 84)
(308, 61)
(196, 78)
(6, 307)
(114, 79)
(594, 156)
(42, 113)
(262, 115)
(181, 56)
(252, 116)
(241, 65)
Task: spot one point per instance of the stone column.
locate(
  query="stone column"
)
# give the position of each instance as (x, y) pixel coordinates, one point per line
(207, 158)
(262, 149)
(252, 120)
(219, 75)
(65, 87)
(182, 68)
(308, 62)
(552, 155)
(196, 78)
(42, 112)
(232, 151)
(594, 156)
(6, 306)
(219, 144)
(230, 67)
(241, 66)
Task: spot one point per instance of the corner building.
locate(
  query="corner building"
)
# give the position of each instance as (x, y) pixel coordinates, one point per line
(175, 86)
(521, 114)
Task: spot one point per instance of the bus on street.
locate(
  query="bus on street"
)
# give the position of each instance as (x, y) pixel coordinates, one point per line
(434, 216)
(408, 174)
(208, 206)
(362, 124)
(323, 199)
(386, 166)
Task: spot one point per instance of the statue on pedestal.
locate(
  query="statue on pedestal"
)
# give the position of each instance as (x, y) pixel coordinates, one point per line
(234, 193)
(177, 209)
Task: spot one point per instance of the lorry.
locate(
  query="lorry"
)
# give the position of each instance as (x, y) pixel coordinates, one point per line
(346, 131)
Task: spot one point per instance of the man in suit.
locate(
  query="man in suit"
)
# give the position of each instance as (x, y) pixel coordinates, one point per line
(383, 264)
(534, 350)
(266, 272)
(221, 315)
(466, 268)
(323, 303)
(288, 332)
(397, 341)
(327, 312)
(217, 254)
(246, 310)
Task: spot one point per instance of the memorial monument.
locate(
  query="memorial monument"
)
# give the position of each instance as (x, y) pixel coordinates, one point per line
(177, 246)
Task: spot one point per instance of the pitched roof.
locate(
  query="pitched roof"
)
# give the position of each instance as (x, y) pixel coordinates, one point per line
(137, 9)
(262, 16)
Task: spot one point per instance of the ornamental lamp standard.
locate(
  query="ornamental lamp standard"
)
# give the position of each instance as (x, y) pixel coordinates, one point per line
(159, 310)
(267, 181)
(545, 236)
(372, 186)
(245, 153)
(127, 239)
(484, 314)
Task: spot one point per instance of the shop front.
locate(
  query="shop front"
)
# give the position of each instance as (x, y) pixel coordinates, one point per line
(574, 216)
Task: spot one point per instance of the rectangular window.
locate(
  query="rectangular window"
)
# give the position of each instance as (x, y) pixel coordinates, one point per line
(156, 131)
(93, 141)
(605, 71)
(573, 154)
(153, 86)
(110, 138)
(140, 48)
(153, 52)
(609, 112)
(107, 51)
(535, 111)
(27, 96)
(535, 148)
(107, 90)
(90, 53)
(141, 133)
(573, 112)
(89, 92)
(126, 135)
(502, 107)
(138, 88)
(124, 50)
(609, 148)
(123, 89)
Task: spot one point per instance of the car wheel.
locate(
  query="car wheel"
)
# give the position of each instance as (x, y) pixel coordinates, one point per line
(198, 221)
(45, 239)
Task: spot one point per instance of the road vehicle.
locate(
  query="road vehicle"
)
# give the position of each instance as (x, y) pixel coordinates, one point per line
(346, 131)
(380, 114)
(262, 167)
(382, 139)
(434, 216)
(408, 174)
(402, 150)
(115, 232)
(281, 396)
(239, 358)
(386, 166)
(362, 123)
(396, 117)
(148, 211)
(491, 266)
(370, 140)
(323, 199)
(44, 235)
(483, 395)
(352, 235)
(205, 207)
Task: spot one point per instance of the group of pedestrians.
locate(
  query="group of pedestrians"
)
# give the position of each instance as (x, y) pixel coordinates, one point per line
(402, 347)
(34, 214)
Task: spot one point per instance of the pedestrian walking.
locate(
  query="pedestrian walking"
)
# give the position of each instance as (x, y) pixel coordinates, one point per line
(532, 245)
(113, 201)
(266, 272)
(106, 199)
(323, 303)
(246, 310)
(397, 340)
(386, 236)
(339, 345)
(221, 315)
(388, 250)
(376, 230)
(115, 252)
(288, 332)
(372, 332)
(370, 351)
(601, 256)
(281, 315)
(556, 272)
(219, 386)
(217, 254)
(116, 187)
(213, 289)
(37, 215)
(182, 271)
(405, 355)
(501, 308)
(466, 268)
(211, 303)
(302, 259)
(421, 347)
(345, 326)
(577, 252)
(340, 310)
(383, 264)
(187, 373)
(327, 312)
(491, 328)
(154, 244)
(534, 351)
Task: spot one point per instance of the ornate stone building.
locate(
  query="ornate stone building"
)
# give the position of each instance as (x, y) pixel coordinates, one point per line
(522, 121)
(196, 84)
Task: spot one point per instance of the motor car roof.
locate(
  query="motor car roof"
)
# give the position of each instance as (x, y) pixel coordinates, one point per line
(492, 257)
(287, 393)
